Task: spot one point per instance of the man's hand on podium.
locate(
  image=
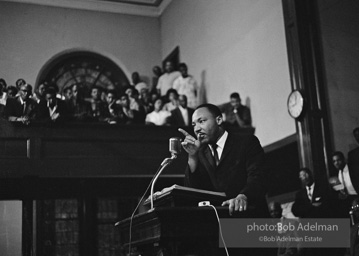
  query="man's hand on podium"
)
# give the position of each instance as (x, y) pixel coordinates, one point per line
(238, 203)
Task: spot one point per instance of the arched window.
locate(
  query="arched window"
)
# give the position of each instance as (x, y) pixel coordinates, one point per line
(86, 69)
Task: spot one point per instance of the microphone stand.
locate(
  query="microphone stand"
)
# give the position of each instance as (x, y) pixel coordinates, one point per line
(164, 164)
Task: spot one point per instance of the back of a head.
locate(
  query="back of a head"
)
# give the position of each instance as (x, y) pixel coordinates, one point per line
(234, 95)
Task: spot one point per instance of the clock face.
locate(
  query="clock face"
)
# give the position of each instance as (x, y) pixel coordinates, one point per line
(295, 104)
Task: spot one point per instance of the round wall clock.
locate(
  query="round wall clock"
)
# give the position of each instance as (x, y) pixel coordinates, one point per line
(295, 104)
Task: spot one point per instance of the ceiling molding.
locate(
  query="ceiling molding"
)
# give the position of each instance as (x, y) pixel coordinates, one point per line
(133, 7)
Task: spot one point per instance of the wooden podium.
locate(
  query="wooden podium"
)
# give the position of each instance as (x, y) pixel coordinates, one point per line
(174, 230)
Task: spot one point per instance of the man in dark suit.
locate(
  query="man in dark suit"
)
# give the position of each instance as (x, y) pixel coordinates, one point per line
(346, 177)
(353, 162)
(314, 200)
(225, 162)
(52, 109)
(22, 108)
(182, 115)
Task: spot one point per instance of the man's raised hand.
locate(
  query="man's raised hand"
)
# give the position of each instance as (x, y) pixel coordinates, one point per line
(190, 144)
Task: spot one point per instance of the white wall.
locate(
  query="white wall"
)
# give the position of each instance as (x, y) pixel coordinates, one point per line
(339, 27)
(232, 45)
(32, 34)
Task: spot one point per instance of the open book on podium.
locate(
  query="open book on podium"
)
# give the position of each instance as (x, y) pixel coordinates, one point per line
(177, 195)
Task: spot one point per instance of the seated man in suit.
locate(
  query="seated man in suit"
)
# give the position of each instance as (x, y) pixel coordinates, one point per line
(314, 200)
(51, 108)
(21, 108)
(345, 176)
(182, 115)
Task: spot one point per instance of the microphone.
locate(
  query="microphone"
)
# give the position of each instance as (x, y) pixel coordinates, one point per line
(175, 149)
(175, 146)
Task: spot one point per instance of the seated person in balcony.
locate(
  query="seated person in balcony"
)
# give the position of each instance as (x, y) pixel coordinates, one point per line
(67, 95)
(19, 82)
(236, 114)
(79, 109)
(51, 109)
(11, 91)
(22, 108)
(39, 94)
(182, 115)
(158, 116)
(98, 110)
(172, 100)
(3, 95)
(113, 109)
(145, 99)
(126, 114)
(135, 103)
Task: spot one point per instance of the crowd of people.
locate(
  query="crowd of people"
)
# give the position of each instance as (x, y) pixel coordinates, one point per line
(170, 100)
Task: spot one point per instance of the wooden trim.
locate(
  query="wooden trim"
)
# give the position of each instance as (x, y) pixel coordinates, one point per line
(281, 143)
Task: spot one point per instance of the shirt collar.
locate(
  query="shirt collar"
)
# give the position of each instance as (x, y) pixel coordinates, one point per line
(182, 108)
(311, 187)
(21, 100)
(222, 140)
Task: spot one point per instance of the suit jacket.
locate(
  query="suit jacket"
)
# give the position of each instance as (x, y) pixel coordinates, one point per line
(14, 108)
(43, 113)
(322, 195)
(176, 118)
(353, 165)
(241, 170)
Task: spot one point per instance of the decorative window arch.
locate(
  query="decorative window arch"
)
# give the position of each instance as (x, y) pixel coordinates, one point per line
(86, 69)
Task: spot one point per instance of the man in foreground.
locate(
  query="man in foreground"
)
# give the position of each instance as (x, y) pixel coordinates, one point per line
(225, 162)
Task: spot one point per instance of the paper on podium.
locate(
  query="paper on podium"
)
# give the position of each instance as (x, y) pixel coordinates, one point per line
(177, 195)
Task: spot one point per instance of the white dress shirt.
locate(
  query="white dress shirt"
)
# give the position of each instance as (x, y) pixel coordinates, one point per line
(220, 145)
(344, 174)
(310, 190)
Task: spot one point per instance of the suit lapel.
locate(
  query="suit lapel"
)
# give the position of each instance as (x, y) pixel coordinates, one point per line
(180, 116)
(227, 149)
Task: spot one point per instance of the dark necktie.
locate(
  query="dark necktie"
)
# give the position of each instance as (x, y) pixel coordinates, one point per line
(215, 154)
